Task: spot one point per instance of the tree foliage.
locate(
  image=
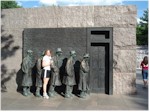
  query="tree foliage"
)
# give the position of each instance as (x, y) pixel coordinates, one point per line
(142, 30)
(9, 4)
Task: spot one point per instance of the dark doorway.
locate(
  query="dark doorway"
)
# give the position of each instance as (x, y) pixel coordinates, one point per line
(101, 55)
(99, 67)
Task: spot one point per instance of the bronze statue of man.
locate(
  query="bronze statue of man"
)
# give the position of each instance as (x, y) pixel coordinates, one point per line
(55, 73)
(27, 73)
(69, 78)
(38, 76)
(84, 70)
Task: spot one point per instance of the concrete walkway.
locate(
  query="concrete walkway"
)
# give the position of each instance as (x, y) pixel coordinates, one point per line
(17, 101)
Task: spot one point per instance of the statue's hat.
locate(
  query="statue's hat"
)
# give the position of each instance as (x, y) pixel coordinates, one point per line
(59, 50)
(72, 52)
(29, 51)
(43, 53)
(86, 56)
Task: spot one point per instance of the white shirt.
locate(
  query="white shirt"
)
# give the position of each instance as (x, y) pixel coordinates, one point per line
(48, 59)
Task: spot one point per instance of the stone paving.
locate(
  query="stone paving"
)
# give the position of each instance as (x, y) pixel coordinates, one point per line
(16, 101)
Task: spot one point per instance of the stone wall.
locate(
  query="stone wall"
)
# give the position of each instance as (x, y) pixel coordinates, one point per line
(121, 18)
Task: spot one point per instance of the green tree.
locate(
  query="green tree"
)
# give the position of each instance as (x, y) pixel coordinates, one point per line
(9, 4)
(142, 30)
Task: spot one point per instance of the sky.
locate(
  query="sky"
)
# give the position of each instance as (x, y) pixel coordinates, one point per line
(140, 4)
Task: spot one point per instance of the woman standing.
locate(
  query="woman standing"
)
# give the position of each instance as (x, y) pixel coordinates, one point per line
(46, 62)
(144, 66)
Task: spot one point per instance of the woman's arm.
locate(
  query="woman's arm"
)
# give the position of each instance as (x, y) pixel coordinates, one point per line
(141, 65)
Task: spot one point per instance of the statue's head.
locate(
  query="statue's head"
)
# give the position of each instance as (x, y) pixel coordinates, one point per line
(86, 56)
(73, 53)
(30, 53)
(42, 54)
(59, 52)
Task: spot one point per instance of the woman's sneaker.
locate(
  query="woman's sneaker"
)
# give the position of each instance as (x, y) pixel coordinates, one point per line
(46, 96)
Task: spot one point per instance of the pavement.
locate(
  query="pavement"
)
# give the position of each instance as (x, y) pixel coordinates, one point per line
(16, 101)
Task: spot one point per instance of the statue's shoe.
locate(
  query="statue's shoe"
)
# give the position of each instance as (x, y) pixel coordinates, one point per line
(86, 94)
(37, 95)
(72, 95)
(67, 96)
(25, 94)
(82, 96)
(29, 93)
(51, 94)
(55, 93)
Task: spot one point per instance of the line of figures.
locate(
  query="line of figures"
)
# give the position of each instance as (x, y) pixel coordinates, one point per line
(48, 73)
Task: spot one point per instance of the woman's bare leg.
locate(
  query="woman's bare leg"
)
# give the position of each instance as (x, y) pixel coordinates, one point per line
(45, 82)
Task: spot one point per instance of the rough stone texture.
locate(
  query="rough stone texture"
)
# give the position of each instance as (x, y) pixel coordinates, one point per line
(11, 58)
(121, 18)
(14, 18)
(11, 46)
(125, 61)
(114, 16)
(42, 17)
(124, 38)
(75, 16)
(126, 82)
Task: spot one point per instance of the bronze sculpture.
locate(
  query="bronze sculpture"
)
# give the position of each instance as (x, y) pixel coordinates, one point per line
(55, 73)
(27, 73)
(84, 70)
(69, 78)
